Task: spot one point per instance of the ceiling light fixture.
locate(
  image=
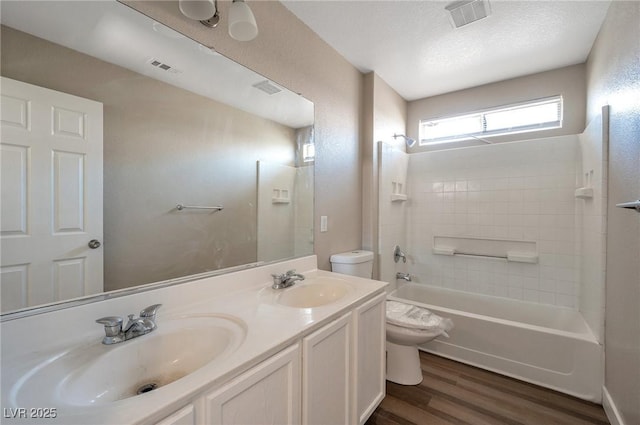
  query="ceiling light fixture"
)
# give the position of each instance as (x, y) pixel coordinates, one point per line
(205, 11)
(242, 23)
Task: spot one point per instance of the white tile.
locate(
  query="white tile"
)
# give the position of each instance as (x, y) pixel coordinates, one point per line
(566, 301)
(565, 287)
(515, 293)
(530, 295)
(530, 282)
(546, 298)
(515, 281)
(547, 285)
(461, 186)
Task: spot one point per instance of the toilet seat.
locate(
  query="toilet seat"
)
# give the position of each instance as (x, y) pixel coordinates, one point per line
(414, 317)
(407, 336)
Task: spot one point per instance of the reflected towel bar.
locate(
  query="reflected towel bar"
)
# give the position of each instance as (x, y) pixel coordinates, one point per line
(181, 207)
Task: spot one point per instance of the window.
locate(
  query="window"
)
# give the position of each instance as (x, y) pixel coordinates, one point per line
(540, 114)
(308, 152)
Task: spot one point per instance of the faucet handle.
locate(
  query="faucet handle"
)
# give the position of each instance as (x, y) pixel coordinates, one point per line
(290, 272)
(150, 312)
(112, 325)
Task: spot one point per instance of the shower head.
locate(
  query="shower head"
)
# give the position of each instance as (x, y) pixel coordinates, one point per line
(410, 142)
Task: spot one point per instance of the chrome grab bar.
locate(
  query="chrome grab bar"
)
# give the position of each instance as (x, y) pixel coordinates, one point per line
(181, 207)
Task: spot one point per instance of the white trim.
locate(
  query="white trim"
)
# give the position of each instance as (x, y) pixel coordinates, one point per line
(610, 408)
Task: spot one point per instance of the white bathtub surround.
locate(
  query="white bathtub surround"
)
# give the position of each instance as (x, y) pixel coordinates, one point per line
(591, 219)
(393, 215)
(517, 251)
(520, 191)
(542, 344)
(29, 343)
(285, 228)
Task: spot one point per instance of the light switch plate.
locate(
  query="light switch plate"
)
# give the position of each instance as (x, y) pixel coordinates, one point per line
(323, 223)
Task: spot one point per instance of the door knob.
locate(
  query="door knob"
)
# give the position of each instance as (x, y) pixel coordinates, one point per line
(94, 243)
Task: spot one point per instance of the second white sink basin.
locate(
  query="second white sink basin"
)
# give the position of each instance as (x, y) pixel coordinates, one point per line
(314, 292)
(98, 374)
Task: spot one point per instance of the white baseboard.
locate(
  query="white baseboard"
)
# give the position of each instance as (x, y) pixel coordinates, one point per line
(610, 408)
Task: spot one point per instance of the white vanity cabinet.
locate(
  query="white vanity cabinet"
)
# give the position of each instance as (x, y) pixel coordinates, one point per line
(369, 321)
(184, 416)
(335, 375)
(326, 374)
(343, 367)
(268, 394)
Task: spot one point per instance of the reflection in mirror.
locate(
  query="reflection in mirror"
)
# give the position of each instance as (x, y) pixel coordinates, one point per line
(109, 121)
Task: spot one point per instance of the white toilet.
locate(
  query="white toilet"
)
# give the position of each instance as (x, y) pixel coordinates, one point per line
(354, 263)
(405, 331)
(403, 335)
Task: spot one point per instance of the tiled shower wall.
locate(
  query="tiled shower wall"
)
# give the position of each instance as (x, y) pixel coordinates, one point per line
(519, 191)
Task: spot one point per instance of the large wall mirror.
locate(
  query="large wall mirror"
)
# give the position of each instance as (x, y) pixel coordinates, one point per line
(132, 154)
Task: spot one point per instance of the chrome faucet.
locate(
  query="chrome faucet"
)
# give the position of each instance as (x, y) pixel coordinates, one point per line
(403, 276)
(399, 255)
(285, 280)
(135, 327)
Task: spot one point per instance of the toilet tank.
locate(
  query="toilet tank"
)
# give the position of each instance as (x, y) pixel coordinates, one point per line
(355, 263)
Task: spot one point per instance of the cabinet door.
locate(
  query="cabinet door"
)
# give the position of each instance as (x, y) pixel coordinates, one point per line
(184, 416)
(369, 357)
(326, 374)
(267, 394)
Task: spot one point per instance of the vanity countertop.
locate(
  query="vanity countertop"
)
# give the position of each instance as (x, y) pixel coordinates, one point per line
(31, 343)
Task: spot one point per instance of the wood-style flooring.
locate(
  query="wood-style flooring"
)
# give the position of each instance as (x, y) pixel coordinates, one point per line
(453, 393)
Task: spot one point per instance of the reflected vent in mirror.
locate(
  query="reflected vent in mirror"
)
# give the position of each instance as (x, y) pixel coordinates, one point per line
(163, 66)
(268, 87)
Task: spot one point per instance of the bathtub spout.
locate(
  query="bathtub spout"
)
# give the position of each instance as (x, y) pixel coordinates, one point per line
(403, 276)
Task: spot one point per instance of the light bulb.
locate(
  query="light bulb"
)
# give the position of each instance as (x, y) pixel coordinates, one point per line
(199, 10)
(242, 23)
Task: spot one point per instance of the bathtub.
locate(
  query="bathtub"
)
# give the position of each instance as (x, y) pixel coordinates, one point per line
(545, 345)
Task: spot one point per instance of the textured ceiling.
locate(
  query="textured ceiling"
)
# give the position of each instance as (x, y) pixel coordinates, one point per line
(413, 47)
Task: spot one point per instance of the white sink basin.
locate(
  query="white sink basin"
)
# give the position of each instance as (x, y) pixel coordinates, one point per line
(314, 292)
(99, 374)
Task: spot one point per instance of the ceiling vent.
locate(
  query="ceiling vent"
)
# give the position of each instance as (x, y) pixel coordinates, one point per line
(163, 66)
(268, 87)
(467, 11)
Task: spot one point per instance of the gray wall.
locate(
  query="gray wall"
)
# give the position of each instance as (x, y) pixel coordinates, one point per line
(385, 114)
(613, 77)
(289, 53)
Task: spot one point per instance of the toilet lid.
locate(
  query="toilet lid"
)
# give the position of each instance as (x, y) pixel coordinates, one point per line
(411, 316)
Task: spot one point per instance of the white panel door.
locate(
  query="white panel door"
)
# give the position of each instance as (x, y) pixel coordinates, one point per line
(51, 188)
(326, 374)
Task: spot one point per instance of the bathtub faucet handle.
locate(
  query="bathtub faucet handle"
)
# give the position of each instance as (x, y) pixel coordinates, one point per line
(398, 254)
